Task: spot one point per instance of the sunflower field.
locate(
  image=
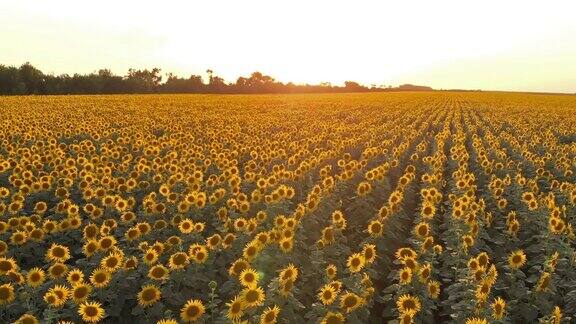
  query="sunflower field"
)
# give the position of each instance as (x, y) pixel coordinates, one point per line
(425, 207)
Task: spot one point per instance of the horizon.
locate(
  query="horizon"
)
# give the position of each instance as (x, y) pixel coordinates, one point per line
(522, 46)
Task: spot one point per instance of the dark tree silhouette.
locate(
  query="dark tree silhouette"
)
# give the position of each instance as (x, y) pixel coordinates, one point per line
(29, 80)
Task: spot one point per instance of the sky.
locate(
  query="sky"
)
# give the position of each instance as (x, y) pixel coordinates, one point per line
(491, 45)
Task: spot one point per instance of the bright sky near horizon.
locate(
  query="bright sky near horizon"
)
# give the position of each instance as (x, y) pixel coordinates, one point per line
(491, 45)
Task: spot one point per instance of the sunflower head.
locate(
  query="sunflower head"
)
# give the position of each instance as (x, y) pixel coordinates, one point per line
(253, 296)
(192, 310)
(407, 302)
(91, 312)
(270, 315)
(6, 294)
(149, 295)
(235, 308)
(498, 308)
(249, 277)
(517, 259)
(327, 295)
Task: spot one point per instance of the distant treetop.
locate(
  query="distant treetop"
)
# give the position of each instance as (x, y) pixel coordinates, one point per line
(29, 80)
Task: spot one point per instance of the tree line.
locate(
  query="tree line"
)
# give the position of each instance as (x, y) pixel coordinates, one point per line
(28, 80)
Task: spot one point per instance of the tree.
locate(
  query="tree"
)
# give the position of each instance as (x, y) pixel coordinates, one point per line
(32, 78)
(10, 82)
(145, 81)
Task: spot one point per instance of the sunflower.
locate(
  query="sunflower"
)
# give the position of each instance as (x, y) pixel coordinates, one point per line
(18, 238)
(543, 281)
(200, 255)
(556, 226)
(369, 251)
(7, 265)
(249, 278)
(237, 267)
(3, 247)
(408, 303)
(286, 244)
(178, 260)
(483, 259)
(35, 277)
(498, 308)
(213, 241)
(52, 300)
(405, 253)
(100, 278)
(132, 234)
(112, 262)
(192, 310)
(37, 235)
(75, 276)
(27, 319)
(476, 320)
(333, 318)
(513, 227)
(492, 274)
(106, 242)
(270, 315)
(90, 232)
(58, 253)
(149, 295)
(483, 290)
(433, 289)
(356, 262)
(91, 312)
(327, 295)
(375, 228)
(428, 211)
(174, 240)
(61, 292)
(167, 321)
(424, 272)
(478, 274)
(286, 287)
(337, 285)
(328, 235)
(366, 280)
(158, 272)
(405, 276)
(228, 240)
(502, 202)
(90, 247)
(412, 264)
(553, 261)
(556, 315)
(253, 296)
(350, 302)
(516, 259)
(331, 271)
(131, 263)
(528, 196)
(186, 226)
(422, 229)
(58, 270)
(406, 317)
(235, 309)
(80, 292)
(15, 277)
(199, 227)
(289, 273)
(150, 257)
(473, 264)
(468, 241)
(6, 293)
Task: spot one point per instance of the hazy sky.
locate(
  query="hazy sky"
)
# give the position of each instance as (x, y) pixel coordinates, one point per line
(503, 45)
